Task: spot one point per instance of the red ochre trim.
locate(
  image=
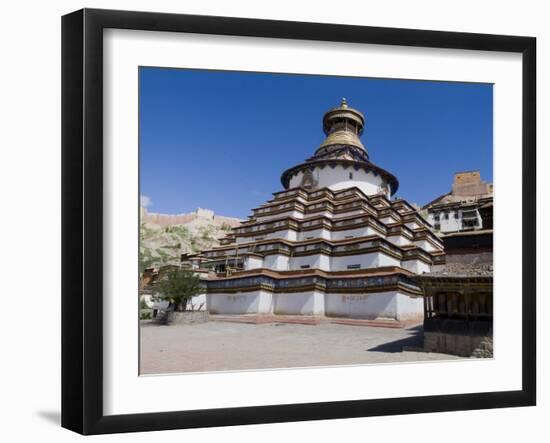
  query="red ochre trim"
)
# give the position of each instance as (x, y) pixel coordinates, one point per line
(409, 232)
(299, 273)
(326, 194)
(314, 287)
(310, 320)
(321, 225)
(365, 206)
(423, 231)
(370, 200)
(314, 241)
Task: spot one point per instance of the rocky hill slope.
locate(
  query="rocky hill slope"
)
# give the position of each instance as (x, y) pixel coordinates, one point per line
(163, 237)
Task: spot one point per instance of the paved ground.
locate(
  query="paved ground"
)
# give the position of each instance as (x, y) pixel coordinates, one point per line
(222, 346)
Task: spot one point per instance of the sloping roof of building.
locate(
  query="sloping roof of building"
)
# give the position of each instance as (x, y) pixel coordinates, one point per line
(459, 270)
(449, 198)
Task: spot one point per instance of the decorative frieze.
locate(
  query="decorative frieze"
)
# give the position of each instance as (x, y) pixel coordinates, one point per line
(333, 285)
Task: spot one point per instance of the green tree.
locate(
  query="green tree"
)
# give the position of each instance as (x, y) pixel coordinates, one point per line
(178, 286)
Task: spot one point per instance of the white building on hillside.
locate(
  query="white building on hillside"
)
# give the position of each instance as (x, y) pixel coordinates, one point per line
(468, 207)
(332, 243)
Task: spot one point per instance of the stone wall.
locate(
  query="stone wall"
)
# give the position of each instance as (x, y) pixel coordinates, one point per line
(182, 318)
(463, 345)
(484, 349)
(473, 258)
(469, 183)
(183, 219)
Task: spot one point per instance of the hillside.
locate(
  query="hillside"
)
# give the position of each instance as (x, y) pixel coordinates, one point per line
(164, 237)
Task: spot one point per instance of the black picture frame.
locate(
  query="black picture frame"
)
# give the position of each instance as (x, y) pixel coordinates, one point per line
(82, 215)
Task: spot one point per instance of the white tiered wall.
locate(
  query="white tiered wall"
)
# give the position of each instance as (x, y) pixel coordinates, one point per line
(392, 305)
(339, 178)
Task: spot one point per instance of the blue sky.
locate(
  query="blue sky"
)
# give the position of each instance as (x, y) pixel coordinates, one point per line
(220, 140)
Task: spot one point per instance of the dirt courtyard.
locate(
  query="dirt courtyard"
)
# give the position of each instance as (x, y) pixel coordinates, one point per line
(225, 346)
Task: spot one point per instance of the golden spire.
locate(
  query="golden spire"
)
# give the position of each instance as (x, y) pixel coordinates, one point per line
(343, 126)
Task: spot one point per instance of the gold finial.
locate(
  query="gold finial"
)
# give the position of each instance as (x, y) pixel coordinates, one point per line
(344, 103)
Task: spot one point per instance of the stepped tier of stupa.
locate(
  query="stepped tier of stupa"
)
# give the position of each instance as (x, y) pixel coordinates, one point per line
(333, 242)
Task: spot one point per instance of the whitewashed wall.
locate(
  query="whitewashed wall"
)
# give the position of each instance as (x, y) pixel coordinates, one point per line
(386, 260)
(256, 302)
(346, 213)
(317, 261)
(359, 232)
(452, 224)
(286, 234)
(416, 266)
(412, 225)
(409, 308)
(317, 233)
(253, 262)
(388, 220)
(380, 305)
(277, 262)
(399, 240)
(299, 303)
(292, 213)
(338, 178)
(426, 245)
(365, 260)
(367, 306)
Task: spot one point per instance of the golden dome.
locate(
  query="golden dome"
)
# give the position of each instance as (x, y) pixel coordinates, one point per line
(343, 126)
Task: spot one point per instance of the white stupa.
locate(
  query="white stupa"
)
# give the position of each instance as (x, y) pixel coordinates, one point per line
(331, 243)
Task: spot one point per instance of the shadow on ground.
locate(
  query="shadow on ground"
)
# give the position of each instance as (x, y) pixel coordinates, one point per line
(54, 417)
(414, 340)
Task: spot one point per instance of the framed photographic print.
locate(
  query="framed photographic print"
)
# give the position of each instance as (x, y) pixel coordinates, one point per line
(269, 221)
